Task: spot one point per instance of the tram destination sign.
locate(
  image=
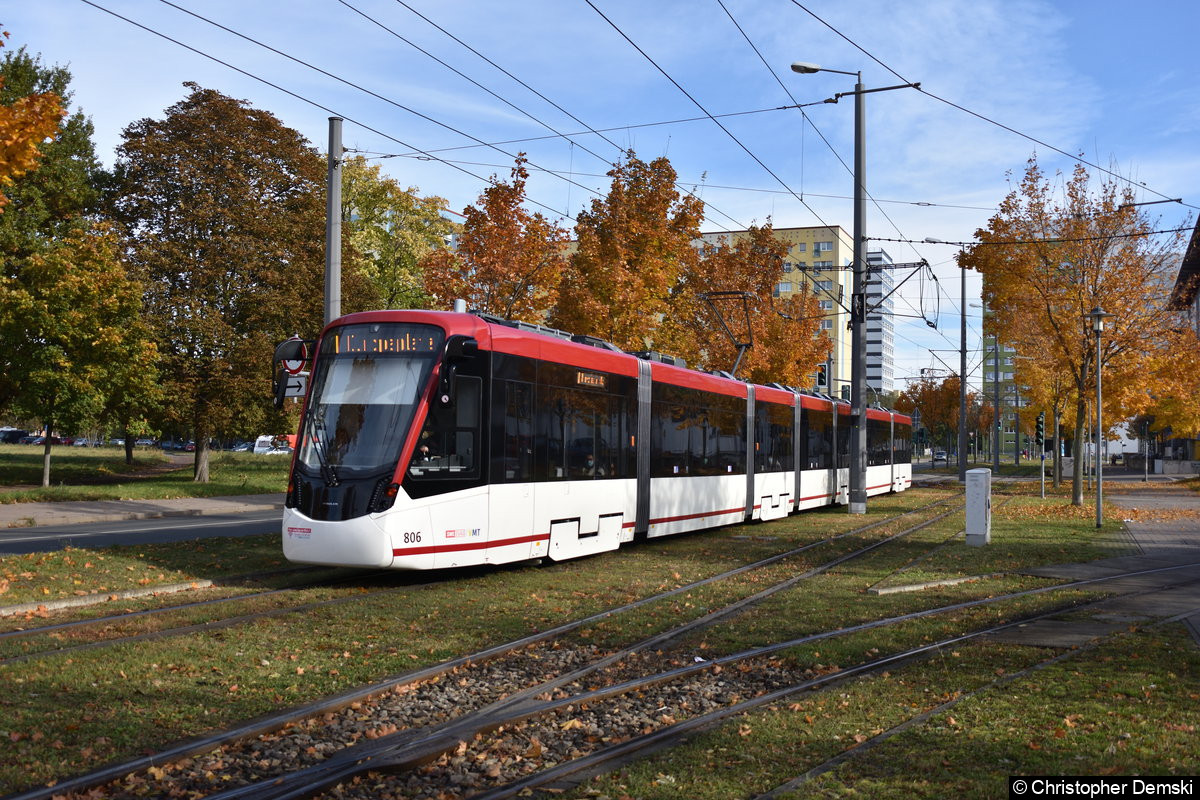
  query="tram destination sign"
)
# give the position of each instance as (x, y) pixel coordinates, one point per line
(363, 340)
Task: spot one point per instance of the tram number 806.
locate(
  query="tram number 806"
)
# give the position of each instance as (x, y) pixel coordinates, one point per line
(411, 537)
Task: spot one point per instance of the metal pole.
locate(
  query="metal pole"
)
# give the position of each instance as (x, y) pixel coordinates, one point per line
(962, 377)
(1146, 450)
(333, 224)
(1016, 425)
(858, 309)
(1099, 432)
(996, 391)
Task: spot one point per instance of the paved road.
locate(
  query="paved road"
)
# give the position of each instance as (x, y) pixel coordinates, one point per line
(44, 538)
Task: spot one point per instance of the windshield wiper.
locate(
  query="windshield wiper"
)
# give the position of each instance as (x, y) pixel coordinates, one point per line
(318, 433)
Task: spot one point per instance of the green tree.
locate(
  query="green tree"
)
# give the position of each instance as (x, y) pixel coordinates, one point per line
(70, 320)
(29, 116)
(508, 261)
(223, 208)
(50, 199)
(52, 186)
(390, 230)
(634, 247)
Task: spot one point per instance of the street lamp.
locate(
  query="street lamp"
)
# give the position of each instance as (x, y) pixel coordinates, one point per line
(858, 300)
(1097, 316)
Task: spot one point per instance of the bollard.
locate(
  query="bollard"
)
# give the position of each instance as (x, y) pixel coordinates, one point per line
(979, 507)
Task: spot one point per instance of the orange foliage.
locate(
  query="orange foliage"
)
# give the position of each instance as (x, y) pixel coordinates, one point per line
(508, 261)
(788, 342)
(23, 126)
(634, 247)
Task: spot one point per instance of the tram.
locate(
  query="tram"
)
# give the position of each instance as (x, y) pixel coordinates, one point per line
(433, 439)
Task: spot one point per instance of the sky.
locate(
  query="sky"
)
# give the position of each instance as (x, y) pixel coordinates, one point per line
(445, 93)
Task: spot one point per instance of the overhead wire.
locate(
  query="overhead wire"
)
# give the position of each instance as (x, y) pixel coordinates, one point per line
(299, 97)
(590, 129)
(983, 117)
(833, 150)
(706, 112)
(363, 89)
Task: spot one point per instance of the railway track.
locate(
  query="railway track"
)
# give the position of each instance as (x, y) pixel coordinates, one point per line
(458, 694)
(45, 640)
(463, 732)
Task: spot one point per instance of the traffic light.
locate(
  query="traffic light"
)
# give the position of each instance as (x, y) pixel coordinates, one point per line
(1041, 430)
(822, 381)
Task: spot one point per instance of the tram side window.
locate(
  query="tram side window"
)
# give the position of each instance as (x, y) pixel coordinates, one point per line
(518, 432)
(843, 437)
(581, 435)
(448, 446)
(697, 433)
(819, 441)
(773, 437)
(902, 444)
(879, 442)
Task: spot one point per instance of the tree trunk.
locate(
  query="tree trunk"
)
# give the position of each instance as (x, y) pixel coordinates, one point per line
(201, 433)
(1077, 454)
(46, 458)
(1057, 449)
(128, 443)
(200, 467)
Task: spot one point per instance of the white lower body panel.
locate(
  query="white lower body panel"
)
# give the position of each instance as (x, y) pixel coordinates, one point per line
(679, 505)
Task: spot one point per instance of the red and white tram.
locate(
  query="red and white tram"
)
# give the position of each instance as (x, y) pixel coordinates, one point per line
(435, 439)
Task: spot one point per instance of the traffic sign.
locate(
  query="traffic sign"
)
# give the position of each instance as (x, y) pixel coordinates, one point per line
(296, 385)
(295, 367)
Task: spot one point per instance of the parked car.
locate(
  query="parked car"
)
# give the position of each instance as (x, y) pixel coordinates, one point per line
(12, 435)
(242, 447)
(144, 442)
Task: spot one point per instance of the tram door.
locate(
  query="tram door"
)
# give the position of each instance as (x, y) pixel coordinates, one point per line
(512, 504)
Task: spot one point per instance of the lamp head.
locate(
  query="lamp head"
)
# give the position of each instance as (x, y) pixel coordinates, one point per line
(1097, 315)
(805, 68)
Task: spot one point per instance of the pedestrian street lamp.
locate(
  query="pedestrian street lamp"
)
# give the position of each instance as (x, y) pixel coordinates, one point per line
(1097, 316)
(858, 299)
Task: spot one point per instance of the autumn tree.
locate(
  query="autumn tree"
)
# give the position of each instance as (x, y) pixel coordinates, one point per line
(634, 248)
(30, 112)
(787, 340)
(71, 323)
(390, 229)
(223, 208)
(938, 401)
(508, 261)
(1048, 260)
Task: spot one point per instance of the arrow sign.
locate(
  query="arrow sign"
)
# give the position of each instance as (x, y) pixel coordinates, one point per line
(297, 385)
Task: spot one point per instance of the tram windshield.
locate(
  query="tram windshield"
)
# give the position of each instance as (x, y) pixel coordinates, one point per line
(367, 382)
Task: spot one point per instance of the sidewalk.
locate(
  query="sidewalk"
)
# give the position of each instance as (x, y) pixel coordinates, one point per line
(1164, 526)
(27, 515)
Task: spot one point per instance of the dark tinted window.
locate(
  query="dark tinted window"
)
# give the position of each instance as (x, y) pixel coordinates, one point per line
(773, 425)
(696, 433)
(818, 441)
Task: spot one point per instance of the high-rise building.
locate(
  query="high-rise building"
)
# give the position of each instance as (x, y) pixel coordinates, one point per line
(998, 364)
(881, 331)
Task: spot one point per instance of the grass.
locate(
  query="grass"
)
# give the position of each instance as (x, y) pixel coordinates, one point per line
(79, 473)
(1126, 707)
(67, 713)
